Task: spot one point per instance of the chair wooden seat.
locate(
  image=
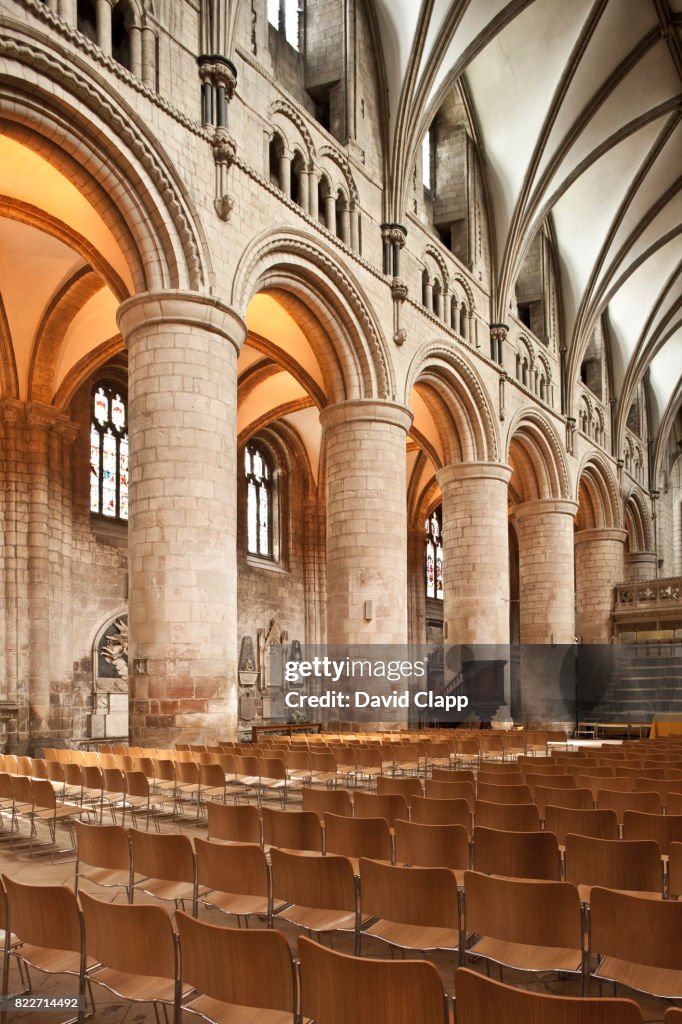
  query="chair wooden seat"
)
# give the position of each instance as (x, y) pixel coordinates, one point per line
(52, 960)
(658, 981)
(137, 987)
(225, 1013)
(528, 958)
(414, 936)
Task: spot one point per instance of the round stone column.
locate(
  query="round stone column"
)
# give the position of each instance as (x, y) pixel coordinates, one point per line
(640, 565)
(366, 522)
(182, 394)
(476, 552)
(546, 570)
(599, 566)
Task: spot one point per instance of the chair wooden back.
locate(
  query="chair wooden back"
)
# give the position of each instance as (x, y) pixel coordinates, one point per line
(407, 788)
(235, 868)
(240, 967)
(450, 791)
(515, 910)
(166, 855)
(373, 805)
(663, 829)
(481, 1000)
(601, 824)
(452, 775)
(495, 794)
(358, 837)
(211, 776)
(43, 794)
(508, 817)
(323, 882)
(234, 823)
(578, 799)
(417, 895)
(44, 915)
(497, 778)
(517, 854)
(327, 801)
(131, 939)
(614, 864)
(664, 788)
(341, 989)
(636, 929)
(535, 780)
(292, 830)
(102, 846)
(431, 846)
(648, 803)
(431, 811)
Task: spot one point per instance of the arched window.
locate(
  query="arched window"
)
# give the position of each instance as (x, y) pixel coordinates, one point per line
(109, 451)
(433, 554)
(259, 475)
(121, 19)
(86, 15)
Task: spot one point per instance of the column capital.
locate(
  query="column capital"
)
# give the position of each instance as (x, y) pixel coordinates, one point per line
(369, 409)
(600, 533)
(473, 471)
(152, 309)
(544, 507)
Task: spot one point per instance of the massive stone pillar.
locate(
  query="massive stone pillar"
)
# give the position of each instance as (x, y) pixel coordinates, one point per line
(476, 551)
(366, 522)
(545, 530)
(598, 568)
(182, 351)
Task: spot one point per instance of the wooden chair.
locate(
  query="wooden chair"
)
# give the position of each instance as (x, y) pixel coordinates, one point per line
(535, 780)
(431, 811)
(47, 809)
(236, 970)
(664, 788)
(480, 1000)
(503, 794)
(102, 856)
(315, 893)
(292, 830)
(433, 846)
(511, 917)
(577, 799)
(373, 805)
(435, 789)
(416, 908)
(234, 878)
(46, 922)
(341, 989)
(631, 866)
(167, 865)
(517, 854)
(135, 951)
(663, 829)
(647, 803)
(238, 823)
(405, 787)
(594, 823)
(637, 942)
(358, 837)
(327, 801)
(507, 817)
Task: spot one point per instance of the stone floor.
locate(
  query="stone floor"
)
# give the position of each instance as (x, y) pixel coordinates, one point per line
(16, 862)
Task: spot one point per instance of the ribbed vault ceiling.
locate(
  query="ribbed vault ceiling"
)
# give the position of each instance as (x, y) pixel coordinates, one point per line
(577, 110)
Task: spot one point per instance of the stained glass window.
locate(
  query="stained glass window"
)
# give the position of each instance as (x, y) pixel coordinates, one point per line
(433, 554)
(109, 451)
(259, 505)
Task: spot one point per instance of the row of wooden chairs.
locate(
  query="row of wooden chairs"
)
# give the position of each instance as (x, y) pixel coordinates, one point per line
(134, 952)
(504, 920)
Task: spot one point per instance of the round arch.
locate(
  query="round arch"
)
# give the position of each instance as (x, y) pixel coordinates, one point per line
(343, 330)
(599, 504)
(536, 454)
(54, 106)
(459, 404)
(638, 524)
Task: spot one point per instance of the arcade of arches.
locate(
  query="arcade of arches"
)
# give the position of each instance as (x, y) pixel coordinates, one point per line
(302, 341)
